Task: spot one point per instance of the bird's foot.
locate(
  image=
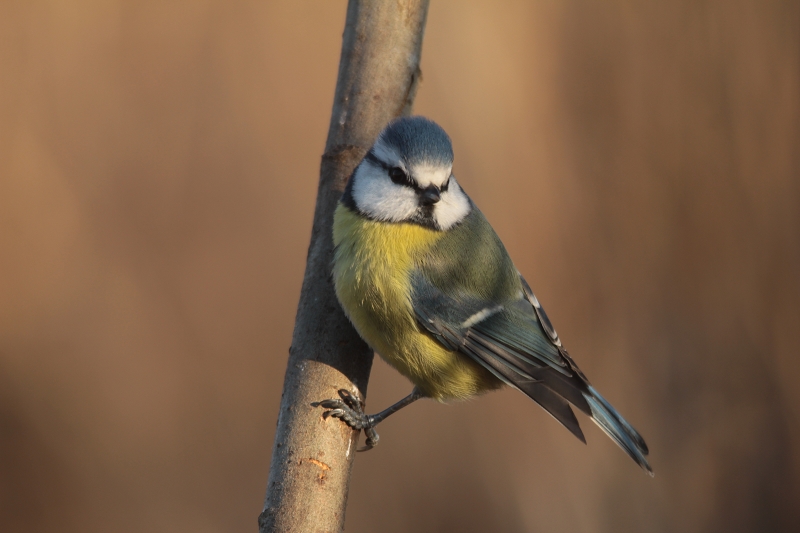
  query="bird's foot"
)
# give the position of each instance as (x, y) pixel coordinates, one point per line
(350, 410)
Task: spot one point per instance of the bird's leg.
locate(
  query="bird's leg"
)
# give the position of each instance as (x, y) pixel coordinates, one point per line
(351, 411)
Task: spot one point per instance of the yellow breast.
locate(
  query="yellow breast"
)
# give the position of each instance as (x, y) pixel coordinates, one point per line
(372, 265)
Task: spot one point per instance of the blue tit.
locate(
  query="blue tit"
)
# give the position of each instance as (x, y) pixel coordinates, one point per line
(430, 287)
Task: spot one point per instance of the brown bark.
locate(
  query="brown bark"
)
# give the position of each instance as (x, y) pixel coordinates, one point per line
(312, 458)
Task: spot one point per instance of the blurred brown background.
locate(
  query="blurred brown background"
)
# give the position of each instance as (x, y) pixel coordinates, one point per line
(158, 165)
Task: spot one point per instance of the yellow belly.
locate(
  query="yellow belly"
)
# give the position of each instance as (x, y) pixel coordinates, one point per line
(371, 274)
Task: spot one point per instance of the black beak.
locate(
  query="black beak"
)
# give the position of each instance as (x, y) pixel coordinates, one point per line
(430, 196)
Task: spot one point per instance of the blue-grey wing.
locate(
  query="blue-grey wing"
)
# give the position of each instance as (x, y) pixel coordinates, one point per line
(514, 340)
(507, 338)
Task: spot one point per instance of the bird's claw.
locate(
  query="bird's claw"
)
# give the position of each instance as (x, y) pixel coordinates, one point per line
(335, 413)
(350, 410)
(371, 440)
(352, 400)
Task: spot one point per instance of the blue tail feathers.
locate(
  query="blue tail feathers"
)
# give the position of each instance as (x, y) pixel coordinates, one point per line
(617, 428)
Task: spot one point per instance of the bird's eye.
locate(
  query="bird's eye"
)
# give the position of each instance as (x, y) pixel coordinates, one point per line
(444, 187)
(398, 176)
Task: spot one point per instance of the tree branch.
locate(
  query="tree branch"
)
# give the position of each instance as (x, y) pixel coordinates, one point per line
(311, 458)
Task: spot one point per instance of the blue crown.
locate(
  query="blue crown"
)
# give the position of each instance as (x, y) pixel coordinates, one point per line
(419, 141)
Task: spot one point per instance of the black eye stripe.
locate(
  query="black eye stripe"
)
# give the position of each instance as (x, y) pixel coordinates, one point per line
(399, 176)
(396, 174)
(372, 158)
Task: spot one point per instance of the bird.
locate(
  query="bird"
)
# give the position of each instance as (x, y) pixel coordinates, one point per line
(429, 286)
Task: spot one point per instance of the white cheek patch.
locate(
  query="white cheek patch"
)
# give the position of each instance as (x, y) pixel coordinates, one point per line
(452, 208)
(376, 196)
(426, 176)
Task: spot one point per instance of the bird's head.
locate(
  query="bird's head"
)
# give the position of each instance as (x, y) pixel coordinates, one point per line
(407, 177)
